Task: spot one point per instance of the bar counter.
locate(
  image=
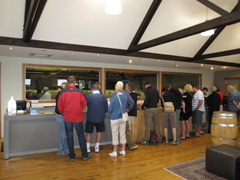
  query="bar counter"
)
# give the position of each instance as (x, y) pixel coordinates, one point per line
(26, 134)
(31, 134)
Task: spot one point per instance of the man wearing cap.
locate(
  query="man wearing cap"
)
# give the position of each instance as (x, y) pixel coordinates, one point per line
(97, 106)
(46, 94)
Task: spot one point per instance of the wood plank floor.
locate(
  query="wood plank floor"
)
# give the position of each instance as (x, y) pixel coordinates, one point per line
(147, 162)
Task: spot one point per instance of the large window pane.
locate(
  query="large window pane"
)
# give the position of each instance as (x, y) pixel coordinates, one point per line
(40, 78)
(180, 80)
(137, 78)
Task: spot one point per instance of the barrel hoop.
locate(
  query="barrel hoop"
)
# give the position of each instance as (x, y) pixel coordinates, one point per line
(225, 125)
(225, 115)
(222, 117)
(225, 139)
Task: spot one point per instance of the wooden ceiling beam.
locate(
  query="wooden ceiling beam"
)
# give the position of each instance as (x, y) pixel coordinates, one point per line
(147, 19)
(211, 24)
(219, 54)
(212, 38)
(213, 7)
(109, 51)
(82, 48)
(33, 11)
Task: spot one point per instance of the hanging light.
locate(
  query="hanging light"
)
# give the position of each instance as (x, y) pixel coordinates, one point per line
(113, 7)
(208, 32)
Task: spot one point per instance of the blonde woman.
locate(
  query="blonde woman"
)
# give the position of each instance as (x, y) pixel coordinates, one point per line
(187, 97)
(118, 126)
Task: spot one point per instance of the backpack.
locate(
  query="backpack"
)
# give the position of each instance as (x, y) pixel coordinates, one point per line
(153, 138)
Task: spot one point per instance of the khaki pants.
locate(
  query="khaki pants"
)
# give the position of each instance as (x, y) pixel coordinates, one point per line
(170, 135)
(130, 120)
(118, 126)
(151, 114)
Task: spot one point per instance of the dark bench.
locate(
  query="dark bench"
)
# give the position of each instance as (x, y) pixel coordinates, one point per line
(224, 161)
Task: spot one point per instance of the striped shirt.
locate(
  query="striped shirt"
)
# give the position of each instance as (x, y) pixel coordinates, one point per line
(196, 98)
(233, 96)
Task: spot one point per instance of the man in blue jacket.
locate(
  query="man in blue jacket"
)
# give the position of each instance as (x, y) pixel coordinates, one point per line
(97, 107)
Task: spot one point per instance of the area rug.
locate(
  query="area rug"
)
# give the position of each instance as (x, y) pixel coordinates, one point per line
(193, 170)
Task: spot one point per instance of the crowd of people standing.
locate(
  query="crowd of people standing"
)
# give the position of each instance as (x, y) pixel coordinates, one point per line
(178, 105)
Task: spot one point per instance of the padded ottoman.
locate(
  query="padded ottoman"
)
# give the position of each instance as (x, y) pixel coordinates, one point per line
(224, 161)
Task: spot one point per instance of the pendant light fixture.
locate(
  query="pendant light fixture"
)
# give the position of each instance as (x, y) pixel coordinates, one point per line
(208, 32)
(113, 7)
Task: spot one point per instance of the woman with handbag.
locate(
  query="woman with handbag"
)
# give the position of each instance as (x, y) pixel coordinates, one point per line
(168, 114)
(118, 113)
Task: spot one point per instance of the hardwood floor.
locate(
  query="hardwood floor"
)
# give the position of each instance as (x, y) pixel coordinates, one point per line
(147, 162)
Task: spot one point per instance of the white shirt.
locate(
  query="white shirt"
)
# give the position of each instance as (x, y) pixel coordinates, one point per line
(196, 98)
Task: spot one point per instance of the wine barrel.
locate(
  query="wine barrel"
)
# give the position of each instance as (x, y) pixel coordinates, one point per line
(224, 128)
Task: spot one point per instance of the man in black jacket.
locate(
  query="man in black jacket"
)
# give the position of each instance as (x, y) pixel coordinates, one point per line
(151, 112)
(213, 103)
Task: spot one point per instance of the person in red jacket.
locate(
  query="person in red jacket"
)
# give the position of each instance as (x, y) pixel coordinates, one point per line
(70, 104)
(221, 97)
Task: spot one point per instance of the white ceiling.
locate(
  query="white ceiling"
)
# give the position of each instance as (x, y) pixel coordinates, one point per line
(84, 22)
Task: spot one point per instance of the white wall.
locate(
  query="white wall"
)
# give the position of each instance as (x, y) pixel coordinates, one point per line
(11, 75)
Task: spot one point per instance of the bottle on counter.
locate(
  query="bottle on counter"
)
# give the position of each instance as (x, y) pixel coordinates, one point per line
(12, 106)
(29, 106)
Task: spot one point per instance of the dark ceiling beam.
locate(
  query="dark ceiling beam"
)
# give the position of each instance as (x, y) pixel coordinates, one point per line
(147, 19)
(212, 38)
(33, 11)
(209, 41)
(219, 54)
(211, 24)
(82, 48)
(110, 51)
(213, 7)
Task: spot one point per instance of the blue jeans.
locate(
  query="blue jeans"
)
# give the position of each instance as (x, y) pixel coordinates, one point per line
(62, 144)
(81, 138)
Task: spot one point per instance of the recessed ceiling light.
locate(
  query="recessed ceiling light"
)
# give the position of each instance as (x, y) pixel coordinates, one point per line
(159, 60)
(130, 61)
(98, 55)
(201, 64)
(224, 67)
(72, 52)
(211, 68)
(176, 65)
(10, 48)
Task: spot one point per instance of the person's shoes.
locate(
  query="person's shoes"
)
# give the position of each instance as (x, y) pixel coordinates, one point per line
(183, 138)
(86, 158)
(113, 154)
(96, 149)
(201, 132)
(195, 136)
(166, 141)
(134, 147)
(175, 143)
(88, 150)
(123, 153)
(145, 143)
(72, 160)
